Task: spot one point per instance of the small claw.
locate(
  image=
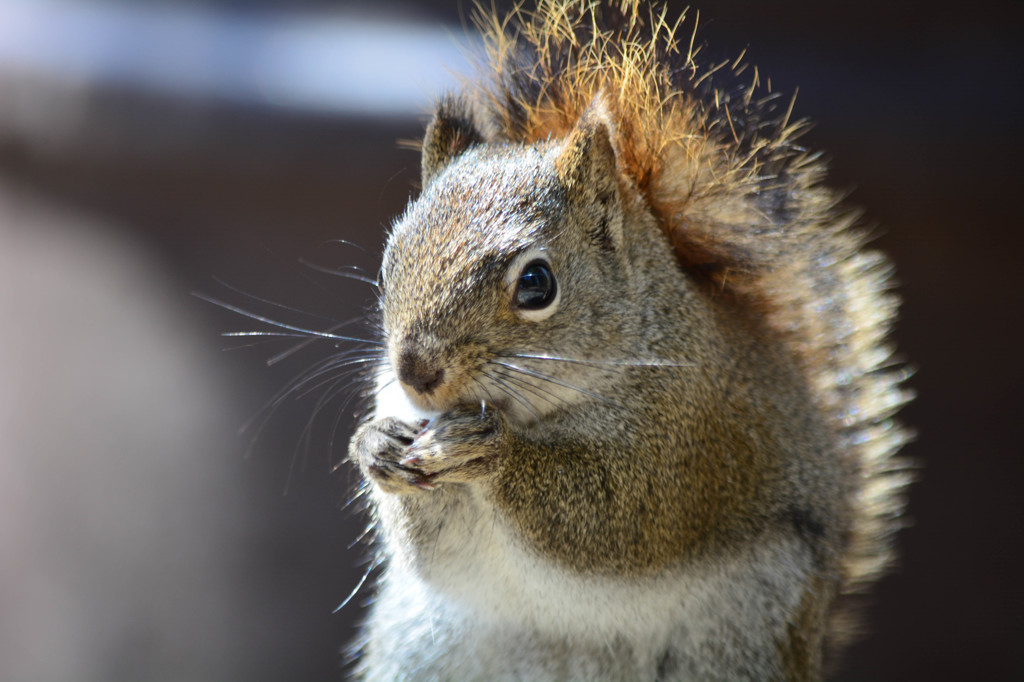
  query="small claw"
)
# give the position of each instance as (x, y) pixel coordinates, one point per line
(411, 461)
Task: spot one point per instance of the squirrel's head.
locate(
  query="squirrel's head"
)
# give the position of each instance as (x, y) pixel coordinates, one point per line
(509, 273)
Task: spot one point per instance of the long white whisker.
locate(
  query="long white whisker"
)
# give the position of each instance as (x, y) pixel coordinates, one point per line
(538, 391)
(600, 363)
(255, 333)
(282, 325)
(558, 382)
(348, 243)
(277, 304)
(501, 385)
(274, 359)
(373, 564)
(253, 344)
(347, 371)
(334, 432)
(340, 272)
(266, 412)
(302, 344)
(483, 387)
(359, 538)
(305, 438)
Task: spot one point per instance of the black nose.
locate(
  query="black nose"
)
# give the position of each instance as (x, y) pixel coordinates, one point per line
(414, 370)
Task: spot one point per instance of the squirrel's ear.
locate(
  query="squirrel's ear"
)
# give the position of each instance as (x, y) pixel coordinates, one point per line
(587, 170)
(451, 132)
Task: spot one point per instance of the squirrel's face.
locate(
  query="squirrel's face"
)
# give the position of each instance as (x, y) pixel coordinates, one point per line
(505, 280)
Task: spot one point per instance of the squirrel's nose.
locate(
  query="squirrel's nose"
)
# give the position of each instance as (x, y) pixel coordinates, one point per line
(416, 371)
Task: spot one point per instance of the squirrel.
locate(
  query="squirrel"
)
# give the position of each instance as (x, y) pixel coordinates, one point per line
(633, 417)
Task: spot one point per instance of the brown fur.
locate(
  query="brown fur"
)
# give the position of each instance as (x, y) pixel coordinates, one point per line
(741, 205)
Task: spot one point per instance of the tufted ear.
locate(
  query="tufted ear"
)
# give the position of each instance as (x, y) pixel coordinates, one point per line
(587, 170)
(451, 132)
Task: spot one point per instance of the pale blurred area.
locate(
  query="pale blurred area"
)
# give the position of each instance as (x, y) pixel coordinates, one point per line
(153, 149)
(146, 148)
(118, 524)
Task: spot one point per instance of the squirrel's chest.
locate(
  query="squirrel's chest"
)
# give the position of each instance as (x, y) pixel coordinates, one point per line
(457, 546)
(462, 585)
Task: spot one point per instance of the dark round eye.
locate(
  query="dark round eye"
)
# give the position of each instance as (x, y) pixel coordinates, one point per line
(536, 288)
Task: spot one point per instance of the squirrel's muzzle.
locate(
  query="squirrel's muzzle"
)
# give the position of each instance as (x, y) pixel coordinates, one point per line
(418, 372)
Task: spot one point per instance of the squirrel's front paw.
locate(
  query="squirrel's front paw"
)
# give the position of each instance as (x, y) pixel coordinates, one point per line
(458, 447)
(379, 447)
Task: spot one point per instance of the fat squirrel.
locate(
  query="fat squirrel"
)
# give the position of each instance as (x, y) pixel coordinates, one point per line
(633, 419)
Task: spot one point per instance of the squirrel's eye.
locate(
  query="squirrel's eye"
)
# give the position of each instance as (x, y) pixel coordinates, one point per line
(536, 288)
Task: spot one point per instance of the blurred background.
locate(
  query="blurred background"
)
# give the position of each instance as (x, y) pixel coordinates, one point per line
(150, 150)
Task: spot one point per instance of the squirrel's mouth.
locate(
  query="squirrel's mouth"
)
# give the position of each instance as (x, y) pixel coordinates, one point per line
(461, 392)
(437, 389)
(477, 390)
(436, 377)
(521, 387)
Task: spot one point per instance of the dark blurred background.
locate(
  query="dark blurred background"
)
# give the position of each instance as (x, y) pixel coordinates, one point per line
(149, 150)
